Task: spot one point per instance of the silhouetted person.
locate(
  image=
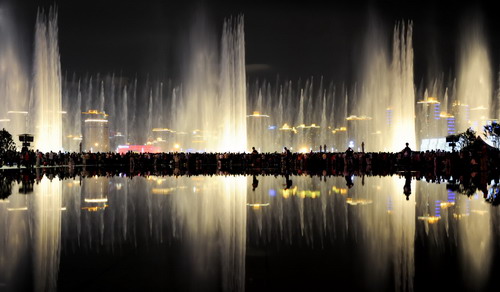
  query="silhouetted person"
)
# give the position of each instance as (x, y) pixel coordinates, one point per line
(363, 147)
(255, 183)
(407, 186)
(320, 148)
(407, 151)
(348, 180)
(254, 151)
(288, 182)
(324, 147)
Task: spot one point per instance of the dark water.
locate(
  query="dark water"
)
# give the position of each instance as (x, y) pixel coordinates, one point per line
(220, 234)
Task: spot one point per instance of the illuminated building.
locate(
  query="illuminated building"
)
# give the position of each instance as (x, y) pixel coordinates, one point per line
(95, 131)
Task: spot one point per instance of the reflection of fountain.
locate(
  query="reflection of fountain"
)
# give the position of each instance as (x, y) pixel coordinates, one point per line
(46, 220)
(212, 222)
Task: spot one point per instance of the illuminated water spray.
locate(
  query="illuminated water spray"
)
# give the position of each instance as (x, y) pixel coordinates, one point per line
(386, 113)
(211, 113)
(474, 90)
(14, 87)
(46, 99)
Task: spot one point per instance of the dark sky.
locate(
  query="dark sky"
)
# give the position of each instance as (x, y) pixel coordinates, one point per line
(293, 39)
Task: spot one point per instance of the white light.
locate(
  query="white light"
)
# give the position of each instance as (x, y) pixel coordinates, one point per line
(96, 121)
(100, 200)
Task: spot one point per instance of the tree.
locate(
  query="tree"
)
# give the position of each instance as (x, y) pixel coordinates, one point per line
(6, 142)
(463, 140)
(492, 132)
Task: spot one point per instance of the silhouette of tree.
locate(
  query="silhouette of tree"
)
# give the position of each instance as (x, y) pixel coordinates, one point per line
(6, 142)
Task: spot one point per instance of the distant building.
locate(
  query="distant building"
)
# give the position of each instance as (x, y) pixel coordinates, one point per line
(95, 131)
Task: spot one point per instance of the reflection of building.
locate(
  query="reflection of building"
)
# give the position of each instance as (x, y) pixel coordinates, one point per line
(95, 194)
(95, 131)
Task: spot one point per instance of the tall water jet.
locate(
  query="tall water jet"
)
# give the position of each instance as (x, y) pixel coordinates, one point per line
(385, 116)
(474, 92)
(212, 112)
(14, 89)
(46, 92)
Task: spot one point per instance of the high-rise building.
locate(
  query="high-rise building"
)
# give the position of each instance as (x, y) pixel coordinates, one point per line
(95, 131)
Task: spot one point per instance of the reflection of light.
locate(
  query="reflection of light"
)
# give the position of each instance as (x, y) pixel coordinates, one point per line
(95, 121)
(289, 192)
(351, 144)
(480, 212)
(4, 120)
(162, 191)
(429, 219)
(341, 191)
(355, 202)
(272, 192)
(257, 206)
(95, 209)
(99, 200)
(309, 194)
(356, 118)
(459, 216)
(17, 112)
(17, 209)
(163, 130)
(445, 205)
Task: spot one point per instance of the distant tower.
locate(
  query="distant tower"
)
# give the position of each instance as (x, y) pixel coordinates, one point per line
(95, 131)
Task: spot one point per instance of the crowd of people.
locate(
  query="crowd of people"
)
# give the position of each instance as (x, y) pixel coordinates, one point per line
(481, 159)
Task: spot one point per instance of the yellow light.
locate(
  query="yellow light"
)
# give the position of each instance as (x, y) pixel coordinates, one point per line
(304, 150)
(177, 146)
(356, 118)
(429, 219)
(355, 202)
(445, 205)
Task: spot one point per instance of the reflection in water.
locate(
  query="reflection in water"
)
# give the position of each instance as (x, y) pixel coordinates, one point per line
(210, 222)
(47, 232)
(211, 216)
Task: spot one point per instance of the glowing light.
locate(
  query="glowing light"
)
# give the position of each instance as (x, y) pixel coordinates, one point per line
(4, 120)
(96, 121)
(257, 115)
(429, 219)
(304, 150)
(445, 205)
(429, 100)
(163, 130)
(355, 202)
(286, 127)
(257, 206)
(99, 200)
(18, 112)
(17, 209)
(162, 191)
(356, 118)
(177, 146)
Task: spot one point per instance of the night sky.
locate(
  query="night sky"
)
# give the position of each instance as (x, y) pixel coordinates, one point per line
(292, 39)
